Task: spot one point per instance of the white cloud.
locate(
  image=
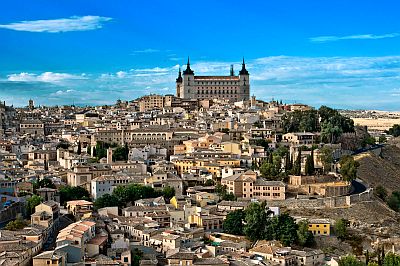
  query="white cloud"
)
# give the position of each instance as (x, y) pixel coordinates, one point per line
(342, 82)
(146, 51)
(75, 23)
(50, 77)
(322, 39)
(121, 74)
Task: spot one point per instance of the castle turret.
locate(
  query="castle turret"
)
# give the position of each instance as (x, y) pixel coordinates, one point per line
(179, 83)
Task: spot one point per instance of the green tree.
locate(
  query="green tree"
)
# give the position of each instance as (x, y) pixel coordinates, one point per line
(18, 224)
(234, 222)
(136, 257)
(382, 139)
(304, 237)
(68, 193)
(341, 229)
(31, 203)
(348, 167)
(121, 154)
(394, 130)
(297, 164)
(326, 156)
(309, 167)
(284, 229)
(262, 142)
(168, 192)
(350, 261)
(394, 201)
(381, 192)
(223, 193)
(288, 163)
(258, 222)
(106, 200)
(79, 151)
(45, 182)
(391, 260)
(209, 182)
(272, 168)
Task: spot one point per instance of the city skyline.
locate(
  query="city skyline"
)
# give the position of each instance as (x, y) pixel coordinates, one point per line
(339, 54)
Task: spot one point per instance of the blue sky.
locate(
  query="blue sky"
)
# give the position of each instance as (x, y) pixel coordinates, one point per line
(341, 53)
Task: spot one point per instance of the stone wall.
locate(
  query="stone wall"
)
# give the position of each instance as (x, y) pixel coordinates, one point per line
(320, 203)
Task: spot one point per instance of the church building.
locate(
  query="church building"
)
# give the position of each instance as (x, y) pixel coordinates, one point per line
(233, 88)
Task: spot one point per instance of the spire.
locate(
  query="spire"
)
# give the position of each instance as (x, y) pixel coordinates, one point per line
(243, 71)
(188, 70)
(232, 72)
(179, 79)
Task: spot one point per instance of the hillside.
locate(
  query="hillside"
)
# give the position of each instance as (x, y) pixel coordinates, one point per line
(384, 170)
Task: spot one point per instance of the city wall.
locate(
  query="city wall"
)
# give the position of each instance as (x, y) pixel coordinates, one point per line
(320, 203)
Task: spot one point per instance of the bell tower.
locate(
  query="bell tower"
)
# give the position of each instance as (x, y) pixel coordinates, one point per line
(244, 77)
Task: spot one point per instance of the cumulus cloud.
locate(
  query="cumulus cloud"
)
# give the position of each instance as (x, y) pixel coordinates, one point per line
(322, 39)
(74, 23)
(44, 77)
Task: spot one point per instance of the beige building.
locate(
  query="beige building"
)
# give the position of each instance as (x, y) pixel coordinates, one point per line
(52, 257)
(34, 127)
(249, 186)
(233, 88)
(149, 102)
(300, 138)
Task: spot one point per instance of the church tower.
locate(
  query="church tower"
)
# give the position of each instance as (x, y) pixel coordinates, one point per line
(188, 82)
(244, 82)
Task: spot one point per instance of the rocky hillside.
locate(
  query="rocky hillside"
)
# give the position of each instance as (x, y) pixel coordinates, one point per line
(384, 170)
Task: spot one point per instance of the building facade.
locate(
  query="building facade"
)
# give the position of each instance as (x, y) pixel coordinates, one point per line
(233, 88)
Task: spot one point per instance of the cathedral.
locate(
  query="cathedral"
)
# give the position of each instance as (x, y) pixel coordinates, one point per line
(233, 88)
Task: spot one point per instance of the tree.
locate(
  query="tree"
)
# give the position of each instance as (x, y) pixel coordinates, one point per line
(297, 164)
(391, 260)
(136, 257)
(304, 237)
(341, 229)
(284, 229)
(272, 168)
(394, 131)
(209, 182)
(394, 201)
(326, 156)
(309, 167)
(350, 261)
(31, 203)
(223, 193)
(68, 193)
(262, 142)
(79, 151)
(45, 182)
(106, 200)
(348, 167)
(381, 192)
(168, 192)
(17, 224)
(288, 163)
(121, 153)
(382, 139)
(258, 222)
(234, 222)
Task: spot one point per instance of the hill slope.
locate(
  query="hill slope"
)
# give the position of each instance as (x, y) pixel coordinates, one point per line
(384, 170)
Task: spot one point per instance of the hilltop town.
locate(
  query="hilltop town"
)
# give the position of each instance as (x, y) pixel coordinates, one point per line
(211, 176)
